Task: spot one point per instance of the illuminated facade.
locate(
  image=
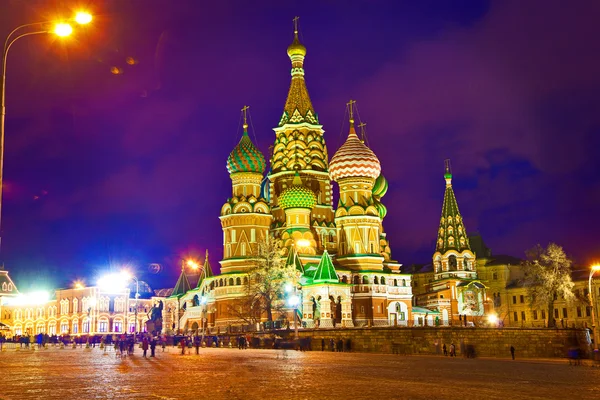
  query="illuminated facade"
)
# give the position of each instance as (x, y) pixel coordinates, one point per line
(78, 311)
(348, 277)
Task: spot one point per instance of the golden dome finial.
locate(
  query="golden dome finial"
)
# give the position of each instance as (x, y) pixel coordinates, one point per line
(296, 48)
(244, 111)
(350, 105)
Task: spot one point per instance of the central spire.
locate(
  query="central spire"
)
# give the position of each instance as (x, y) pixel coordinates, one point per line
(298, 107)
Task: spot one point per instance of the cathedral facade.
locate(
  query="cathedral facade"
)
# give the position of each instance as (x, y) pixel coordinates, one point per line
(347, 276)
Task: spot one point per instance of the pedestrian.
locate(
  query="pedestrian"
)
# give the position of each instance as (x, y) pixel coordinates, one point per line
(197, 344)
(445, 349)
(332, 344)
(145, 345)
(323, 344)
(182, 344)
(452, 350)
(512, 352)
(153, 346)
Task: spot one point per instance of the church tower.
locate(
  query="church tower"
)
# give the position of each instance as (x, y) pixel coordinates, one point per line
(245, 217)
(299, 158)
(453, 255)
(358, 220)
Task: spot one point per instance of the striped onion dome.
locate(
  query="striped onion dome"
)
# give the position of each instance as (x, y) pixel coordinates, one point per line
(245, 157)
(354, 159)
(380, 187)
(297, 196)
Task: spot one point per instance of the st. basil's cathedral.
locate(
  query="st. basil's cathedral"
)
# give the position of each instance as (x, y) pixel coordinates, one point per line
(347, 274)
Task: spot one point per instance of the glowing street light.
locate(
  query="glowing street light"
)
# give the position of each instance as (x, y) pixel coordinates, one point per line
(83, 18)
(192, 264)
(492, 319)
(63, 29)
(303, 243)
(78, 285)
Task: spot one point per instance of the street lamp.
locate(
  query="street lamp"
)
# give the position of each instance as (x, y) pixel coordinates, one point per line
(595, 268)
(61, 29)
(293, 302)
(128, 277)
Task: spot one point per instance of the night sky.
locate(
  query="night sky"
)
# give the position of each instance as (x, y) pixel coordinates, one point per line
(105, 169)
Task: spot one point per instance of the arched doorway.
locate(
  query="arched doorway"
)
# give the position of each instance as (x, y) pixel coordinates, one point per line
(397, 314)
(195, 327)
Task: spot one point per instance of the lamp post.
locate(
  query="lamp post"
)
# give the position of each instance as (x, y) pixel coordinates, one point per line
(595, 268)
(60, 29)
(293, 302)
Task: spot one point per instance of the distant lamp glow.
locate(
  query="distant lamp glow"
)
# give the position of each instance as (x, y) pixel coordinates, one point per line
(493, 319)
(302, 242)
(114, 282)
(78, 285)
(293, 301)
(288, 287)
(192, 264)
(83, 18)
(596, 267)
(62, 29)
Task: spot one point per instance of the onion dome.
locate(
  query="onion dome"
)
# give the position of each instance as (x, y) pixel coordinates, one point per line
(354, 159)
(380, 187)
(296, 48)
(245, 157)
(381, 209)
(297, 196)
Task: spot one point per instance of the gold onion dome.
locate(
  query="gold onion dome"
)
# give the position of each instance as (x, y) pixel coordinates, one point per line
(297, 196)
(296, 48)
(354, 159)
(245, 157)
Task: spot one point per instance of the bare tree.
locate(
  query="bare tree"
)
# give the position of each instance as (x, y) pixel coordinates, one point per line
(264, 289)
(548, 276)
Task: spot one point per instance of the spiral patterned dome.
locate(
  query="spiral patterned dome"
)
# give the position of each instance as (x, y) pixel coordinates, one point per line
(354, 159)
(297, 196)
(245, 157)
(381, 209)
(380, 187)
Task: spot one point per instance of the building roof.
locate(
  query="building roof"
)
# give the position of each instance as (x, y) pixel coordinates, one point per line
(297, 195)
(478, 246)
(298, 107)
(325, 272)
(379, 190)
(245, 157)
(452, 234)
(7, 286)
(503, 260)
(294, 260)
(182, 286)
(354, 159)
(206, 272)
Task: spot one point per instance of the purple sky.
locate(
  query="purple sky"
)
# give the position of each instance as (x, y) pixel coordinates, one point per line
(106, 169)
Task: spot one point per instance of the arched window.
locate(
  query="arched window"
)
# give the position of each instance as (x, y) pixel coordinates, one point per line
(238, 281)
(452, 262)
(75, 306)
(230, 281)
(344, 279)
(245, 280)
(382, 280)
(375, 281)
(403, 282)
(4, 287)
(356, 280)
(196, 300)
(365, 280)
(395, 282)
(221, 282)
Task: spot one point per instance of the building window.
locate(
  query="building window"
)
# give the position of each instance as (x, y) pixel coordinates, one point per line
(556, 313)
(543, 314)
(75, 326)
(118, 326)
(64, 327)
(514, 299)
(588, 311)
(564, 313)
(579, 312)
(523, 316)
(365, 280)
(86, 327)
(534, 314)
(495, 276)
(516, 316)
(521, 299)
(103, 326)
(132, 327)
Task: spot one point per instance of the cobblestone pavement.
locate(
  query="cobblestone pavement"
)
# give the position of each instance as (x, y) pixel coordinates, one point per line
(272, 374)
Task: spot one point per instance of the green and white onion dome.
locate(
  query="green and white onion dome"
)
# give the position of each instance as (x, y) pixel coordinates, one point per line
(380, 187)
(297, 196)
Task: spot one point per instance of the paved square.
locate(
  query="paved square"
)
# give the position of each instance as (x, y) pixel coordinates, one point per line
(272, 374)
